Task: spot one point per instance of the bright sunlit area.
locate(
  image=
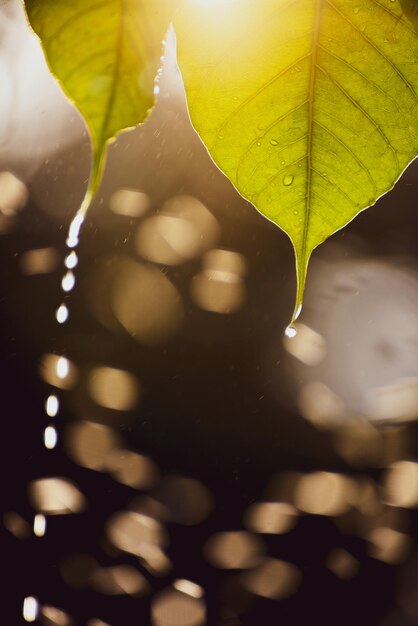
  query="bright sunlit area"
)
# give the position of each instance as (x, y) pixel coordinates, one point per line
(181, 454)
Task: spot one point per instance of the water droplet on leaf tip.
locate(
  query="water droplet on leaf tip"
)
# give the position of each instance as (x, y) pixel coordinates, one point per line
(288, 180)
(290, 331)
(74, 230)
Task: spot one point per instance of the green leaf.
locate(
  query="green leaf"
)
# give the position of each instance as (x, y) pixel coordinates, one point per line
(105, 54)
(308, 106)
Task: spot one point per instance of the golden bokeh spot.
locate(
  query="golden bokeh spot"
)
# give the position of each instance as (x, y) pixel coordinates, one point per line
(129, 203)
(324, 493)
(90, 444)
(56, 496)
(113, 388)
(58, 371)
(271, 517)
(234, 550)
(175, 608)
(39, 261)
(273, 579)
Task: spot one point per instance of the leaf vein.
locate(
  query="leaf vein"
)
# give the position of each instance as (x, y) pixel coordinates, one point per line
(367, 115)
(353, 154)
(256, 93)
(375, 47)
(82, 13)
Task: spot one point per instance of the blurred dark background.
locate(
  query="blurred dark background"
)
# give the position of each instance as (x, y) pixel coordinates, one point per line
(171, 459)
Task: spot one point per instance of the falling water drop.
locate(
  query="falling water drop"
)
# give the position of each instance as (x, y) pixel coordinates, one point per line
(30, 609)
(62, 367)
(68, 281)
(288, 180)
(52, 406)
(50, 437)
(62, 314)
(71, 260)
(39, 525)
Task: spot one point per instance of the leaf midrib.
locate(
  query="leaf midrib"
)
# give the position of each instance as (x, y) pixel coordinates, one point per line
(113, 89)
(311, 100)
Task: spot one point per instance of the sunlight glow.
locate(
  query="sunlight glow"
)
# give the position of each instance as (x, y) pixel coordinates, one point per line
(211, 3)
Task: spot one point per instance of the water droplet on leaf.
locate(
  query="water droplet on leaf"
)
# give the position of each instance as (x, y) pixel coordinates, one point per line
(288, 180)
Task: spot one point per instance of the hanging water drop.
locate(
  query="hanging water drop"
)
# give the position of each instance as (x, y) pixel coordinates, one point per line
(290, 331)
(62, 367)
(74, 230)
(288, 180)
(52, 406)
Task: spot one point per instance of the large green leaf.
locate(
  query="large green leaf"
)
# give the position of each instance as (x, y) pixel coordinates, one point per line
(106, 54)
(308, 106)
